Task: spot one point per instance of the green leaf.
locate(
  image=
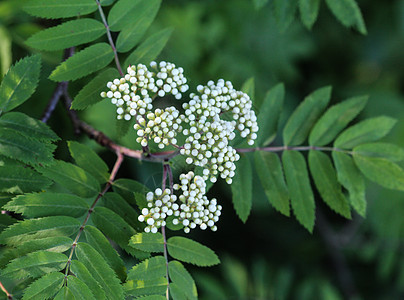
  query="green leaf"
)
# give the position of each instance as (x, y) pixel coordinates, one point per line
(364, 132)
(53, 9)
(82, 273)
(5, 221)
(180, 276)
(27, 230)
(25, 149)
(149, 269)
(87, 61)
(73, 178)
(381, 171)
(150, 48)
(309, 12)
(35, 264)
(100, 243)
(284, 13)
(268, 116)
(140, 19)
(132, 191)
(123, 126)
(90, 93)
(269, 170)
(388, 151)
(306, 114)
(117, 204)
(5, 51)
(20, 82)
(152, 297)
(79, 289)
(67, 34)
(86, 158)
(325, 178)
(335, 119)
(48, 204)
(249, 88)
(348, 13)
(27, 126)
(258, 4)
(113, 226)
(45, 287)
(301, 195)
(53, 244)
(189, 251)
(149, 242)
(18, 179)
(351, 179)
(141, 287)
(242, 188)
(100, 270)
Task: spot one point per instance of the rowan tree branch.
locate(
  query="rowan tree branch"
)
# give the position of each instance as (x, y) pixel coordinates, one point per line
(9, 296)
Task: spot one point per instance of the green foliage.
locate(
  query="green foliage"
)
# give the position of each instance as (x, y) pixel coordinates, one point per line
(309, 12)
(75, 290)
(348, 13)
(180, 277)
(54, 9)
(149, 242)
(242, 189)
(284, 11)
(83, 273)
(45, 287)
(149, 269)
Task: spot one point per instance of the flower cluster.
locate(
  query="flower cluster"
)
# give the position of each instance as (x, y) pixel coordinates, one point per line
(133, 94)
(193, 208)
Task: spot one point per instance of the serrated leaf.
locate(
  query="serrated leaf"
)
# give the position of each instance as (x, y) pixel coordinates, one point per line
(73, 178)
(269, 170)
(309, 12)
(86, 158)
(301, 195)
(90, 93)
(141, 287)
(53, 9)
(351, 179)
(26, 230)
(35, 264)
(5, 51)
(25, 149)
(123, 126)
(325, 178)
(48, 204)
(140, 19)
(284, 13)
(152, 297)
(84, 62)
(82, 273)
(149, 242)
(67, 34)
(150, 48)
(132, 191)
(388, 151)
(20, 82)
(242, 188)
(65, 294)
(18, 179)
(249, 88)
(381, 171)
(366, 131)
(117, 204)
(45, 287)
(149, 269)
(348, 13)
(100, 270)
(79, 289)
(189, 251)
(113, 226)
(5, 221)
(258, 4)
(180, 276)
(27, 126)
(268, 116)
(335, 119)
(306, 114)
(100, 243)
(53, 244)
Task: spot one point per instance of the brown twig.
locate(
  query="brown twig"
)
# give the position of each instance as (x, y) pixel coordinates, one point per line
(9, 296)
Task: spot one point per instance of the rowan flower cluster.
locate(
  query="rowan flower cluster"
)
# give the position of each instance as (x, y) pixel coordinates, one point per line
(191, 208)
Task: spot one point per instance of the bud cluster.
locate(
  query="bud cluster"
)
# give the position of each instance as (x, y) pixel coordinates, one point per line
(193, 208)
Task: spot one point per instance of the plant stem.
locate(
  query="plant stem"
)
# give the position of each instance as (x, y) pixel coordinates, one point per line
(9, 296)
(163, 232)
(111, 42)
(111, 179)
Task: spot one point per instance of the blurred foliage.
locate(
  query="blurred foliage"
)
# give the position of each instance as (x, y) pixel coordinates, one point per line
(271, 256)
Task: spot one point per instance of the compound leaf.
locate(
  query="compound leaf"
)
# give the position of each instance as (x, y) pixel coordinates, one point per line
(20, 82)
(79, 289)
(301, 195)
(325, 178)
(180, 276)
(242, 188)
(306, 114)
(189, 251)
(67, 34)
(53, 9)
(82, 273)
(146, 287)
(388, 151)
(149, 269)
(284, 13)
(149, 242)
(309, 12)
(348, 13)
(45, 287)
(87, 61)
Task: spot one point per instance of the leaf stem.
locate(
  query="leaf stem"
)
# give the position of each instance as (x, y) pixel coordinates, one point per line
(9, 296)
(111, 179)
(163, 232)
(111, 42)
